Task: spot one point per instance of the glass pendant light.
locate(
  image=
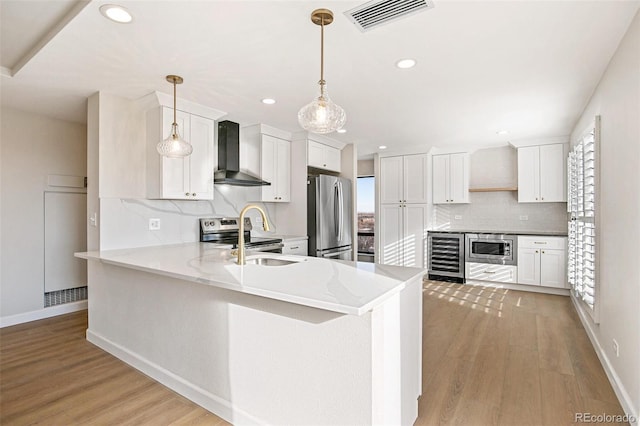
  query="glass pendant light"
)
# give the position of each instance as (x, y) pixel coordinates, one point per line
(174, 146)
(322, 115)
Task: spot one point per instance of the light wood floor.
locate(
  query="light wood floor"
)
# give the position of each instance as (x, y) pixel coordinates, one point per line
(491, 357)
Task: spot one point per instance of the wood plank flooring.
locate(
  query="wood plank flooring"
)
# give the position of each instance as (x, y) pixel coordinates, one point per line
(491, 357)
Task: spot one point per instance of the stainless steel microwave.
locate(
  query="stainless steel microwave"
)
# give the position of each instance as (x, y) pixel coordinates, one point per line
(491, 248)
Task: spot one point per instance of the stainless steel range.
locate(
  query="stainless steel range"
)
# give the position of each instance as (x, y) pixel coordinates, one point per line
(225, 231)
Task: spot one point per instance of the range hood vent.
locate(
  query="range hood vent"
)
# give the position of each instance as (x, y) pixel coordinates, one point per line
(375, 13)
(229, 158)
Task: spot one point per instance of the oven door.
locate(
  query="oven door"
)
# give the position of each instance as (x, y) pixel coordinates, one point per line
(491, 248)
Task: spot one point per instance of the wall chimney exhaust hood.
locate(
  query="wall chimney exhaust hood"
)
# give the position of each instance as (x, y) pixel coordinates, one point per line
(229, 158)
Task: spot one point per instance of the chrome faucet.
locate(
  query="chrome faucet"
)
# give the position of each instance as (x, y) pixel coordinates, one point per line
(265, 226)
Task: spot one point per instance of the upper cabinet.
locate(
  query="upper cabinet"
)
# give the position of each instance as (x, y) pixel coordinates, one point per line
(541, 174)
(323, 156)
(189, 178)
(451, 178)
(403, 179)
(273, 149)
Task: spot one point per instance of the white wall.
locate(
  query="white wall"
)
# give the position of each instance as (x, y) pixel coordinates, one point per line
(617, 101)
(33, 147)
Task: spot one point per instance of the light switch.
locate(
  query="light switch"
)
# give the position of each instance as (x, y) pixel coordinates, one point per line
(154, 224)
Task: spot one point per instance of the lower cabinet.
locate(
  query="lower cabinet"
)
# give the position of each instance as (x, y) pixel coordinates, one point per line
(403, 237)
(297, 246)
(489, 272)
(542, 261)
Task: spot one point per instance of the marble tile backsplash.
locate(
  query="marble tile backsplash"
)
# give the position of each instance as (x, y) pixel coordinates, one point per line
(125, 222)
(491, 211)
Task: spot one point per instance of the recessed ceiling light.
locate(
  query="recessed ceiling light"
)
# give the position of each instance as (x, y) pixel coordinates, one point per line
(502, 132)
(116, 13)
(382, 147)
(341, 130)
(406, 63)
(268, 101)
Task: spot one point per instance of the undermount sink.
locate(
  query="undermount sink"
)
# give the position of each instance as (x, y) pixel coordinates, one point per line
(267, 260)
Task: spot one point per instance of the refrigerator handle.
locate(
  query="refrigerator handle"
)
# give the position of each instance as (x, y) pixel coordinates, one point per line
(336, 209)
(341, 210)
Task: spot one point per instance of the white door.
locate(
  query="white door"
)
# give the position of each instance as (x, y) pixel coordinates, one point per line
(391, 234)
(552, 268)
(175, 171)
(552, 173)
(201, 161)
(458, 178)
(415, 178)
(65, 232)
(528, 174)
(315, 155)
(440, 179)
(332, 158)
(283, 171)
(268, 158)
(415, 235)
(529, 266)
(391, 180)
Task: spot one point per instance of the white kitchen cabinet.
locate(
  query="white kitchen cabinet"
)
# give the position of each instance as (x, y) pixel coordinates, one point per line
(541, 174)
(403, 234)
(490, 272)
(297, 246)
(451, 178)
(403, 179)
(322, 156)
(270, 150)
(541, 261)
(189, 178)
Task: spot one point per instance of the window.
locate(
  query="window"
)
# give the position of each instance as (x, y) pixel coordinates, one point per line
(582, 195)
(366, 217)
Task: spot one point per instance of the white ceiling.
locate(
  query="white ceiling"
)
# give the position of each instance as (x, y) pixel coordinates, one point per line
(524, 66)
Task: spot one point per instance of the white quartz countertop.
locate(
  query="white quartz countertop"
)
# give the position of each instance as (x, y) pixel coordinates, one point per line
(339, 286)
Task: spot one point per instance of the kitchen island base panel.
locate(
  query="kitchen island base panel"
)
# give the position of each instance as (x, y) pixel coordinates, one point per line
(255, 360)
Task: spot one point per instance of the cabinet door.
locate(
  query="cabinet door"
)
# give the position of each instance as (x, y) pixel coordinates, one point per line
(415, 178)
(552, 268)
(332, 158)
(440, 179)
(391, 234)
(528, 174)
(175, 171)
(552, 173)
(458, 178)
(283, 170)
(391, 180)
(529, 266)
(315, 155)
(202, 160)
(415, 235)
(268, 158)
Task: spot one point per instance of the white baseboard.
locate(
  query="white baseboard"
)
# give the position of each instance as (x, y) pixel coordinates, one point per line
(219, 406)
(522, 287)
(49, 312)
(614, 379)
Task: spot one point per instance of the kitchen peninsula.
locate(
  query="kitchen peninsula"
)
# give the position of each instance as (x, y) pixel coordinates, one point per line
(313, 341)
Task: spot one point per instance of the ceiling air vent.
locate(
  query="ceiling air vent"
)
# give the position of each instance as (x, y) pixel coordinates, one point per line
(376, 12)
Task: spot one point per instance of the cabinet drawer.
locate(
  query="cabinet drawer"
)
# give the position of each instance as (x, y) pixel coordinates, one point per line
(488, 272)
(298, 247)
(558, 243)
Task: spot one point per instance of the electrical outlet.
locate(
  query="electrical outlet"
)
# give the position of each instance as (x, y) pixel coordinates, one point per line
(616, 348)
(93, 219)
(154, 224)
(457, 217)
(524, 217)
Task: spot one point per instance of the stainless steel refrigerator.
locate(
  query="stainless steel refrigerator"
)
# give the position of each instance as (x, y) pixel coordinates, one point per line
(329, 217)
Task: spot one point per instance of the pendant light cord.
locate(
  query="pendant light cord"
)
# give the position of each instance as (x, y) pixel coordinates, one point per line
(322, 56)
(175, 122)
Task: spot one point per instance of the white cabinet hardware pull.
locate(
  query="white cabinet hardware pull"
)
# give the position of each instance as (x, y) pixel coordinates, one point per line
(539, 242)
(489, 272)
(294, 248)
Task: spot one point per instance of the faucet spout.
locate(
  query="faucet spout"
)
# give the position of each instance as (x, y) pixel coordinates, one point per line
(265, 226)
